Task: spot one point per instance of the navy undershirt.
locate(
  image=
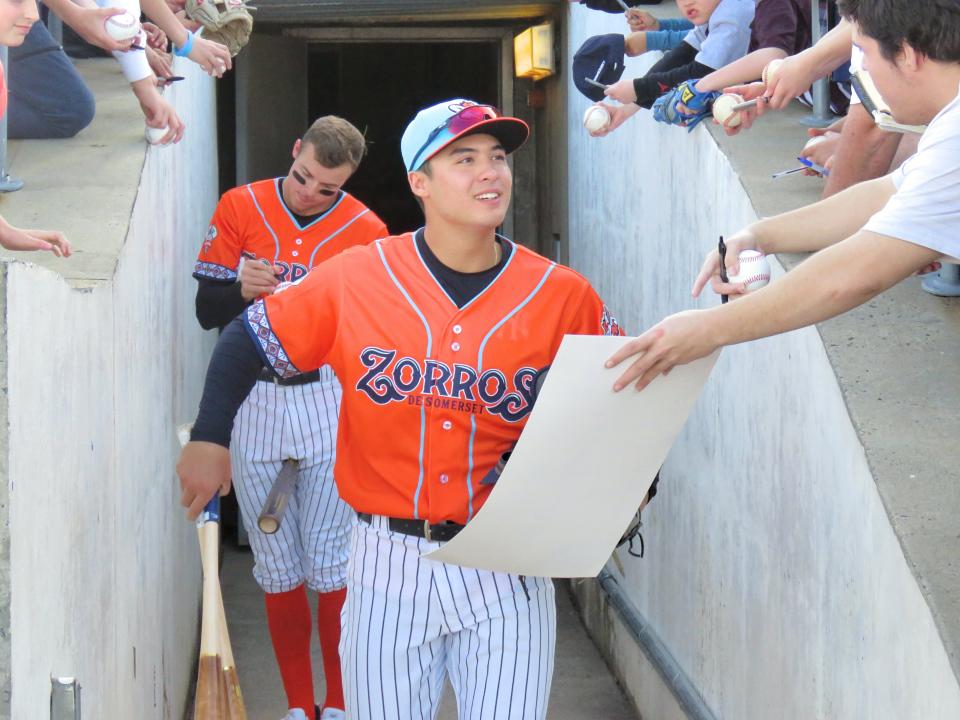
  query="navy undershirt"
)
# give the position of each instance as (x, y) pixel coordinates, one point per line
(461, 287)
(237, 362)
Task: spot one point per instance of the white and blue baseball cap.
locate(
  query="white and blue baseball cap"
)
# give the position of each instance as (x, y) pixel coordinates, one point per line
(437, 126)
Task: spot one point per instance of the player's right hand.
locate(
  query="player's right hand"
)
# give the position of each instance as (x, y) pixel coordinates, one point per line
(710, 271)
(204, 469)
(258, 278)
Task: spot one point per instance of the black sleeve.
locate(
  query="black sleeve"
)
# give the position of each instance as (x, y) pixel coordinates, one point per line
(218, 302)
(669, 71)
(233, 370)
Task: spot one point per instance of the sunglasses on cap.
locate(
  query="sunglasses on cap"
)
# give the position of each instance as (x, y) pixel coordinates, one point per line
(456, 124)
(326, 192)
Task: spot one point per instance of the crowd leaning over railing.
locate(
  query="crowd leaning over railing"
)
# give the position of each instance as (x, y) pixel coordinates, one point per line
(44, 96)
(732, 61)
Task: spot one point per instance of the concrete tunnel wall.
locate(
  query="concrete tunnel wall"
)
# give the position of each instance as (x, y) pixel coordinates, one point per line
(772, 571)
(104, 568)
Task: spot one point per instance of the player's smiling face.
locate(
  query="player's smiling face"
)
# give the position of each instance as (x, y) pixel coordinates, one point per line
(310, 188)
(469, 182)
(16, 19)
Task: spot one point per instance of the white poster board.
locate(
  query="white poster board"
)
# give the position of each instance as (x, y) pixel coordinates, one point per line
(584, 463)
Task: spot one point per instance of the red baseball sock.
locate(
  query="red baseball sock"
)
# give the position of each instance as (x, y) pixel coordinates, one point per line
(288, 617)
(328, 627)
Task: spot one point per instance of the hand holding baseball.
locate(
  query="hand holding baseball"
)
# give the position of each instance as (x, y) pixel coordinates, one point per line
(204, 469)
(258, 278)
(619, 114)
(750, 91)
(787, 80)
(710, 270)
(213, 57)
(90, 23)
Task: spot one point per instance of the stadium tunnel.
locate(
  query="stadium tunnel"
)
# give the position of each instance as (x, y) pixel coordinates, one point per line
(376, 62)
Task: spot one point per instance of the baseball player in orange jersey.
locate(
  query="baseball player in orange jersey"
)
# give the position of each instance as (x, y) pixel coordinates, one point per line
(438, 338)
(262, 235)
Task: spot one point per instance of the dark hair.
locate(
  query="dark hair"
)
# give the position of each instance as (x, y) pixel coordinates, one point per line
(931, 27)
(335, 142)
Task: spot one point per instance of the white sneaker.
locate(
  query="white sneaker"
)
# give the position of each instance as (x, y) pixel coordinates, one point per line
(295, 714)
(333, 714)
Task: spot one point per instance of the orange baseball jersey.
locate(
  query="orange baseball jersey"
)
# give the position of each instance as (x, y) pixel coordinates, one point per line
(252, 221)
(433, 394)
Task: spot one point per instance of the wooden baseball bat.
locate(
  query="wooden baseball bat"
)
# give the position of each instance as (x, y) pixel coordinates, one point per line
(210, 699)
(236, 710)
(218, 694)
(272, 514)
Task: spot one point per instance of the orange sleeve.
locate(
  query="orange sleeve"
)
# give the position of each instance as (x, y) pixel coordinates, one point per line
(296, 327)
(219, 255)
(593, 318)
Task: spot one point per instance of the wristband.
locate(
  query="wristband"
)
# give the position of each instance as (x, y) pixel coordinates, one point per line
(187, 47)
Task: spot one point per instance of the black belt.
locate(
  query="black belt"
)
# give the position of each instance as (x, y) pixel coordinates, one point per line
(268, 376)
(419, 528)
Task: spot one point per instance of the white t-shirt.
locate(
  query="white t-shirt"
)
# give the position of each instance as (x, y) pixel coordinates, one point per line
(926, 207)
(726, 36)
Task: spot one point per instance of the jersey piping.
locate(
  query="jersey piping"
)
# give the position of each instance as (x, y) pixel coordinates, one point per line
(423, 410)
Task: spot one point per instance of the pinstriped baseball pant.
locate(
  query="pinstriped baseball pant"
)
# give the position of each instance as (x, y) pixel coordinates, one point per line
(408, 622)
(274, 423)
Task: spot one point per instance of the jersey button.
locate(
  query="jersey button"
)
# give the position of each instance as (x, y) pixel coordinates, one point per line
(447, 424)
(294, 253)
(455, 346)
(298, 241)
(444, 479)
(457, 329)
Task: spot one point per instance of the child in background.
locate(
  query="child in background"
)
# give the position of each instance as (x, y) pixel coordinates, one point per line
(16, 19)
(721, 34)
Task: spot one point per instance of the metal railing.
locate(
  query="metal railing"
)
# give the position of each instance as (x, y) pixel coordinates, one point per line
(821, 116)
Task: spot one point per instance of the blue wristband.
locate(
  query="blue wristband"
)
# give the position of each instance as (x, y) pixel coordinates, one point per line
(187, 47)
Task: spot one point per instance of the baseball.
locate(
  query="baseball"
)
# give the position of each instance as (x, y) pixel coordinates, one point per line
(754, 270)
(596, 118)
(122, 27)
(816, 140)
(723, 111)
(770, 71)
(155, 135)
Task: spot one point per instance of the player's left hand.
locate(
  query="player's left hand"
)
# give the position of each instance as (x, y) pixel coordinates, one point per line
(622, 91)
(676, 340)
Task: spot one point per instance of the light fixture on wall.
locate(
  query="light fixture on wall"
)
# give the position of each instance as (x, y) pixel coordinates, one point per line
(533, 52)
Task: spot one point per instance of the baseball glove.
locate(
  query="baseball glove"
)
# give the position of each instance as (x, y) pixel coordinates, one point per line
(698, 105)
(227, 22)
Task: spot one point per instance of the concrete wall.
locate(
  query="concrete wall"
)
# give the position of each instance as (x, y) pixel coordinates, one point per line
(104, 571)
(772, 571)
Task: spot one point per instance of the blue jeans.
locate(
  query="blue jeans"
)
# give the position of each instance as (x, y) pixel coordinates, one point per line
(48, 98)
